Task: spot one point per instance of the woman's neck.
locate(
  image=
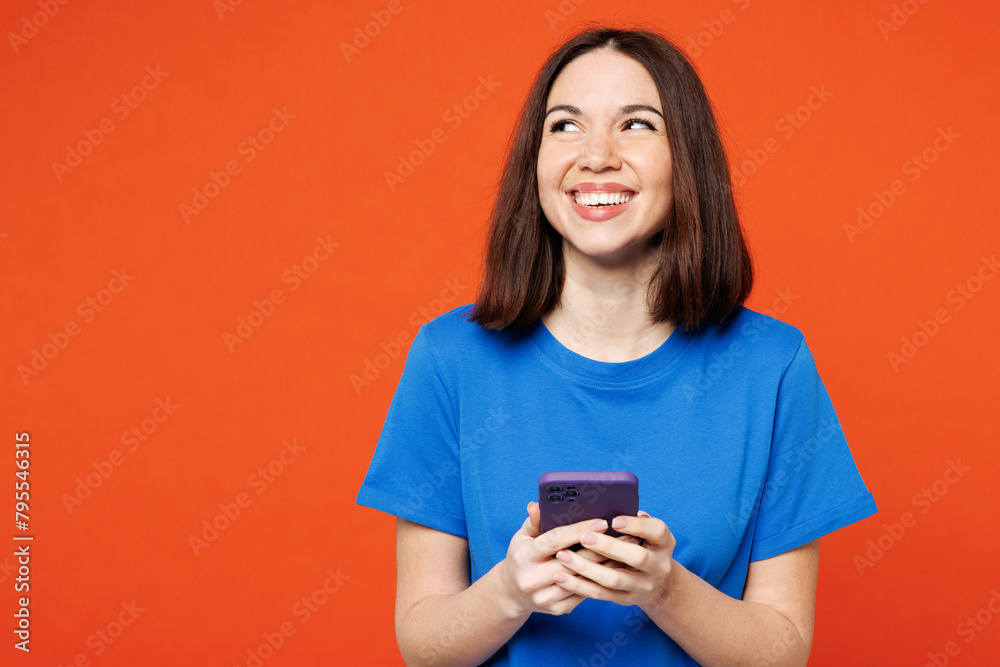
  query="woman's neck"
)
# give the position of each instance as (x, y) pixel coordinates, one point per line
(602, 312)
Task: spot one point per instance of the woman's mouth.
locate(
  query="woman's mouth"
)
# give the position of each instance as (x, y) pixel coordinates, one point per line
(597, 199)
(599, 206)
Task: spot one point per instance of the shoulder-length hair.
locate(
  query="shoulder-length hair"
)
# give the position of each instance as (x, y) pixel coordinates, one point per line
(704, 268)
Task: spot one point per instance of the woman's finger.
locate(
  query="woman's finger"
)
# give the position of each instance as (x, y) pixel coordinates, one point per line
(649, 530)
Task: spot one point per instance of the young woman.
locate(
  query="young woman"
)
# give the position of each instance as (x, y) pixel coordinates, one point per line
(609, 334)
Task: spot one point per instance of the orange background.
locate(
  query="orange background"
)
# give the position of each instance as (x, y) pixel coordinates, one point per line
(163, 335)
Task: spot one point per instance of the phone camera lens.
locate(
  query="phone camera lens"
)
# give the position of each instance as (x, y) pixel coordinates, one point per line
(554, 498)
(554, 488)
(570, 493)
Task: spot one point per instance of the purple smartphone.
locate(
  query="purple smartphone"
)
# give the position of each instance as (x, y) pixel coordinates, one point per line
(572, 496)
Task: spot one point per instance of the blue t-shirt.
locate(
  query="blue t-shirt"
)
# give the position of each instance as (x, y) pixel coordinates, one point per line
(730, 431)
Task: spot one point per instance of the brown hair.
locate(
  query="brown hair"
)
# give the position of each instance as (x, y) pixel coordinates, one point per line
(705, 268)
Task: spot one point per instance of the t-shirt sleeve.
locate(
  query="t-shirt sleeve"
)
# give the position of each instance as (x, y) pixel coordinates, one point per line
(813, 486)
(415, 472)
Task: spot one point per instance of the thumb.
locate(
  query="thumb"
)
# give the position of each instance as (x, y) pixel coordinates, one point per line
(532, 525)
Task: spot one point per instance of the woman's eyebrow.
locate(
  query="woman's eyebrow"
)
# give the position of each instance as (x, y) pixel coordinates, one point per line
(621, 111)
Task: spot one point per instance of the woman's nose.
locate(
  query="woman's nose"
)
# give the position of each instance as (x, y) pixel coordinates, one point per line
(599, 152)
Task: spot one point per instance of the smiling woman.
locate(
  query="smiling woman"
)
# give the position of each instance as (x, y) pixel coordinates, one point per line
(614, 277)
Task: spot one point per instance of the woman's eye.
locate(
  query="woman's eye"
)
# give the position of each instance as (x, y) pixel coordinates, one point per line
(567, 125)
(639, 120)
(560, 124)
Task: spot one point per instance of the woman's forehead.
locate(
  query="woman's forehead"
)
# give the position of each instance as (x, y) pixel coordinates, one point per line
(603, 79)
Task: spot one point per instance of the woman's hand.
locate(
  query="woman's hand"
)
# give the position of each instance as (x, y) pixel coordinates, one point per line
(529, 569)
(637, 574)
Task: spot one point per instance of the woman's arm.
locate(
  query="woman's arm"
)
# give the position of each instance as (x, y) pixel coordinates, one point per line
(442, 620)
(772, 625)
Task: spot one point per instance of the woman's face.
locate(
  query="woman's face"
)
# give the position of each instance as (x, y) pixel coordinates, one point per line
(604, 140)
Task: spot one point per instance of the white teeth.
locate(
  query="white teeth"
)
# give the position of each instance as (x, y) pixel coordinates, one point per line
(595, 198)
